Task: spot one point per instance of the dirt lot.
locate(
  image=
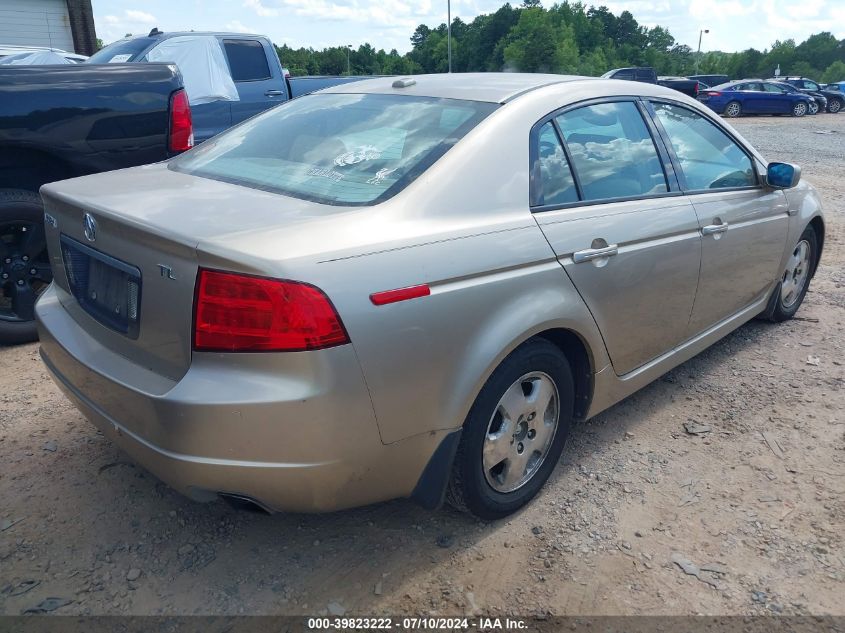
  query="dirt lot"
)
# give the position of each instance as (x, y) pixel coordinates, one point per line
(761, 517)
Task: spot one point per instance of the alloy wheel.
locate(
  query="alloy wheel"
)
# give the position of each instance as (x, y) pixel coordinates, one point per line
(814, 108)
(799, 109)
(834, 106)
(521, 431)
(796, 274)
(24, 269)
(733, 109)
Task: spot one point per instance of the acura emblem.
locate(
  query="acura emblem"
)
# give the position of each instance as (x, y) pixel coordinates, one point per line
(90, 225)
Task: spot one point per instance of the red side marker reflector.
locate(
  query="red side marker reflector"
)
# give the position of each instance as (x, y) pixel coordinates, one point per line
(400, 294)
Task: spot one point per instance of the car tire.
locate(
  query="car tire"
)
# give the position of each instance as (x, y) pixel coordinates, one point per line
(733, 109)
(813, 108)
(834, 105)
(19, 209)
(799, 109)
(506, 422)
(795, 280)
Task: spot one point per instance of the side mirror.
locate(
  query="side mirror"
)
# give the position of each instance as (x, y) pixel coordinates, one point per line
(782, 175)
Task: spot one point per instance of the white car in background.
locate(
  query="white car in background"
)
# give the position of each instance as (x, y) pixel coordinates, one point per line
(19, 52)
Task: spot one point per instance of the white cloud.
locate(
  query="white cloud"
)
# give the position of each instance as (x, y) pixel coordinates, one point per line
(113, 27)
(260, 9)
(142, 17)
(382, 13)
(237, 26)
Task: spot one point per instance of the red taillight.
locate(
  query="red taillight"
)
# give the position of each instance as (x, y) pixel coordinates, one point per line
(713, 94)
(181, 125)
(241, 313)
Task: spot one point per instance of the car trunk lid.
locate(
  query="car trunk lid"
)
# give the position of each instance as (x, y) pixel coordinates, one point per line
(117, 280)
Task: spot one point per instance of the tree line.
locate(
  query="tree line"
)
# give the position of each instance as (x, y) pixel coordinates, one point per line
(570, 38)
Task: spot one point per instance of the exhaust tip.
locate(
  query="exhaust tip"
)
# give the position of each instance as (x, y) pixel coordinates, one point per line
(244, 503)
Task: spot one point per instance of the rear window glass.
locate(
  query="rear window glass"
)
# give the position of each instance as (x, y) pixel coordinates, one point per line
(121, 51)
(341, 149)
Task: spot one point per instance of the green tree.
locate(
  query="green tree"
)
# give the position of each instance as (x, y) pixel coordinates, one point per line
(819, 50)
(535, 45)
(834, 72)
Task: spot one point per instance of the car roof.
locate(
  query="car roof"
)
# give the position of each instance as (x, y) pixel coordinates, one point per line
(163, 35)
(491, 87)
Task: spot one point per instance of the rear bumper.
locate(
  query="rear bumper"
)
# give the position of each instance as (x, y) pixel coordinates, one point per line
(294, 432)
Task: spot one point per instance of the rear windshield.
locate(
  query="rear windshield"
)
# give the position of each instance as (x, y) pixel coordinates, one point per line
(121, 51)
(341, 149)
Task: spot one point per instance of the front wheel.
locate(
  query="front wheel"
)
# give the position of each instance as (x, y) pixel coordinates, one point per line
(24, 265)
(799, 109)
(514, 433)
(795, 279)
(814, 107)
(834, 106)
(733, 109)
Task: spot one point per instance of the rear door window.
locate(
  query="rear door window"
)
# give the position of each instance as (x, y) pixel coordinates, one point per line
(708, 157)
(612, 151)
(553, 182)
(247, 60)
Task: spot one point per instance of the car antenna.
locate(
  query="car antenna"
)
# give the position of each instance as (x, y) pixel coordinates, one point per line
(154, 32)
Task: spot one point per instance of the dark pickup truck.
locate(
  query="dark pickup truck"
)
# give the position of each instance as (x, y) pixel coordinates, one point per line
(59, 122)
(138, 101)
(648, 75)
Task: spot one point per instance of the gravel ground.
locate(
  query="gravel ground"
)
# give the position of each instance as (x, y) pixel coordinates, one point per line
(756, 522)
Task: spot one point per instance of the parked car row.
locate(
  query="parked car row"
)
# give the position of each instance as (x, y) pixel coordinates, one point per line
(649, 75)
(794, 96)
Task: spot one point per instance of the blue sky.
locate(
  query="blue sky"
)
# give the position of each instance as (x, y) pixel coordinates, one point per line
(734, 24)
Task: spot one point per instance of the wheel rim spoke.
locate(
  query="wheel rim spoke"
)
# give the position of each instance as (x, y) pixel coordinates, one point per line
(497, 448)
(515, 469)
(23, 302)
(542, 392)
(543, 430)
(33, 241)
(513, 404)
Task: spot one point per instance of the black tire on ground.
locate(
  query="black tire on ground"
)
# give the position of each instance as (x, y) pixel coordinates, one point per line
(469, 489)
(733, 109)
(799, 109)
(813, 108)
(782, 311)
(834, 105)
(17, 207)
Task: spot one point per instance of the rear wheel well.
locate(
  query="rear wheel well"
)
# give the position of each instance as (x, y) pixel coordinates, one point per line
(580, 361)
(818, 226)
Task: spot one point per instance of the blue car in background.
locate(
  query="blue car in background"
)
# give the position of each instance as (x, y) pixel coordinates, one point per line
(753, 96)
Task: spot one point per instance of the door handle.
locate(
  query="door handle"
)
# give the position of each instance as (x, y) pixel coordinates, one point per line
(274, 93)
(594, 253)
(712, 229)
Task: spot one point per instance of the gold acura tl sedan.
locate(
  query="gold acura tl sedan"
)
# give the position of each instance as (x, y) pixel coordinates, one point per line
(412, 287)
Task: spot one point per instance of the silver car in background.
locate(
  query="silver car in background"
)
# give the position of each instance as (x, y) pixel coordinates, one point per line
(412, 287)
